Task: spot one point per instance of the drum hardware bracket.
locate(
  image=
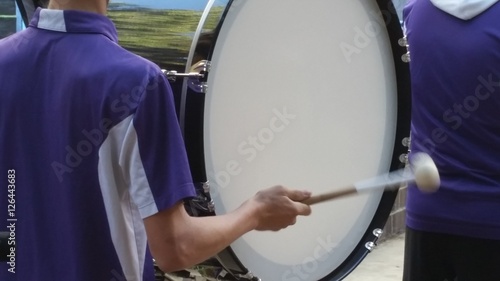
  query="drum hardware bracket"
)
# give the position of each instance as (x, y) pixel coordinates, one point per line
(202, 204)
(206, 186)
(172, 75)
(248, 276)
(197, 76)
(222, 274)
(210, 203)
(211, 206)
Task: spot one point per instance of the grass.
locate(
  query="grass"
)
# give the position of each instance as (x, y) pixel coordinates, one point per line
(163, 36)
(7, 27)
(7, 18)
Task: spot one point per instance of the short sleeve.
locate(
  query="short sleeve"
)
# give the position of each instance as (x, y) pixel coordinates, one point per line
(161, 152)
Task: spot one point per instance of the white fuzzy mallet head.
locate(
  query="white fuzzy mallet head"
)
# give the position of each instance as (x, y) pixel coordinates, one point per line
(425, 172)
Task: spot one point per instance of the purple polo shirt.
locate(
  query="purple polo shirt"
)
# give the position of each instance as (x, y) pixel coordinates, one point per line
(455, 68)
(90, 133)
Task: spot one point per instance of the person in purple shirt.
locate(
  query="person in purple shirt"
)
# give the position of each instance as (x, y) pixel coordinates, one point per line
(93, 165)
(454, 234)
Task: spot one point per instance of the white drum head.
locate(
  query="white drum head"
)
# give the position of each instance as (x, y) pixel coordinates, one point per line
(303, 94)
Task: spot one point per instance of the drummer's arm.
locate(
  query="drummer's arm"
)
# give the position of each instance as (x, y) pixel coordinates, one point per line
(179, 241)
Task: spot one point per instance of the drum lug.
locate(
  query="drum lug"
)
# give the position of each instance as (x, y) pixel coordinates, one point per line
(406, 142)
(196, 78)
(403, 158)
(406, 57)
(403, 42)
(370, 246)
(377, 232)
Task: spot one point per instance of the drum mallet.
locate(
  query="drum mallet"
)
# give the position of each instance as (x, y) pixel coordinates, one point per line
(422, 171)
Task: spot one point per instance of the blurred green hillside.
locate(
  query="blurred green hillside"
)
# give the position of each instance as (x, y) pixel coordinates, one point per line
(162, 36)
(7, 18)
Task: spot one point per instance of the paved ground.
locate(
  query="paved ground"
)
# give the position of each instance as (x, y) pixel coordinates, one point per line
(384, 263)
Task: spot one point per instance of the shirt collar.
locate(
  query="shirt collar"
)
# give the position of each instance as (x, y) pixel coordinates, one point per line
(72, 21)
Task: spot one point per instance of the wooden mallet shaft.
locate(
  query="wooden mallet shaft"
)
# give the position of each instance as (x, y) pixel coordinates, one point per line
(330, 195)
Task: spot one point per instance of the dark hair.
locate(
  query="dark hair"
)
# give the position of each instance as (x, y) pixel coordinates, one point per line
(41, 3)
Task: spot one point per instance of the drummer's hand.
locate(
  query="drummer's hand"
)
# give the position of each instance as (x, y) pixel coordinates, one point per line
(278, 207)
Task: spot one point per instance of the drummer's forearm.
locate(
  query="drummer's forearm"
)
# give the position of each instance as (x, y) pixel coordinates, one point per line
(178, 241)
(210, 235)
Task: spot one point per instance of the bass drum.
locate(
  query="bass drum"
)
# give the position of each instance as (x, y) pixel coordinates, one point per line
(307, 94)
